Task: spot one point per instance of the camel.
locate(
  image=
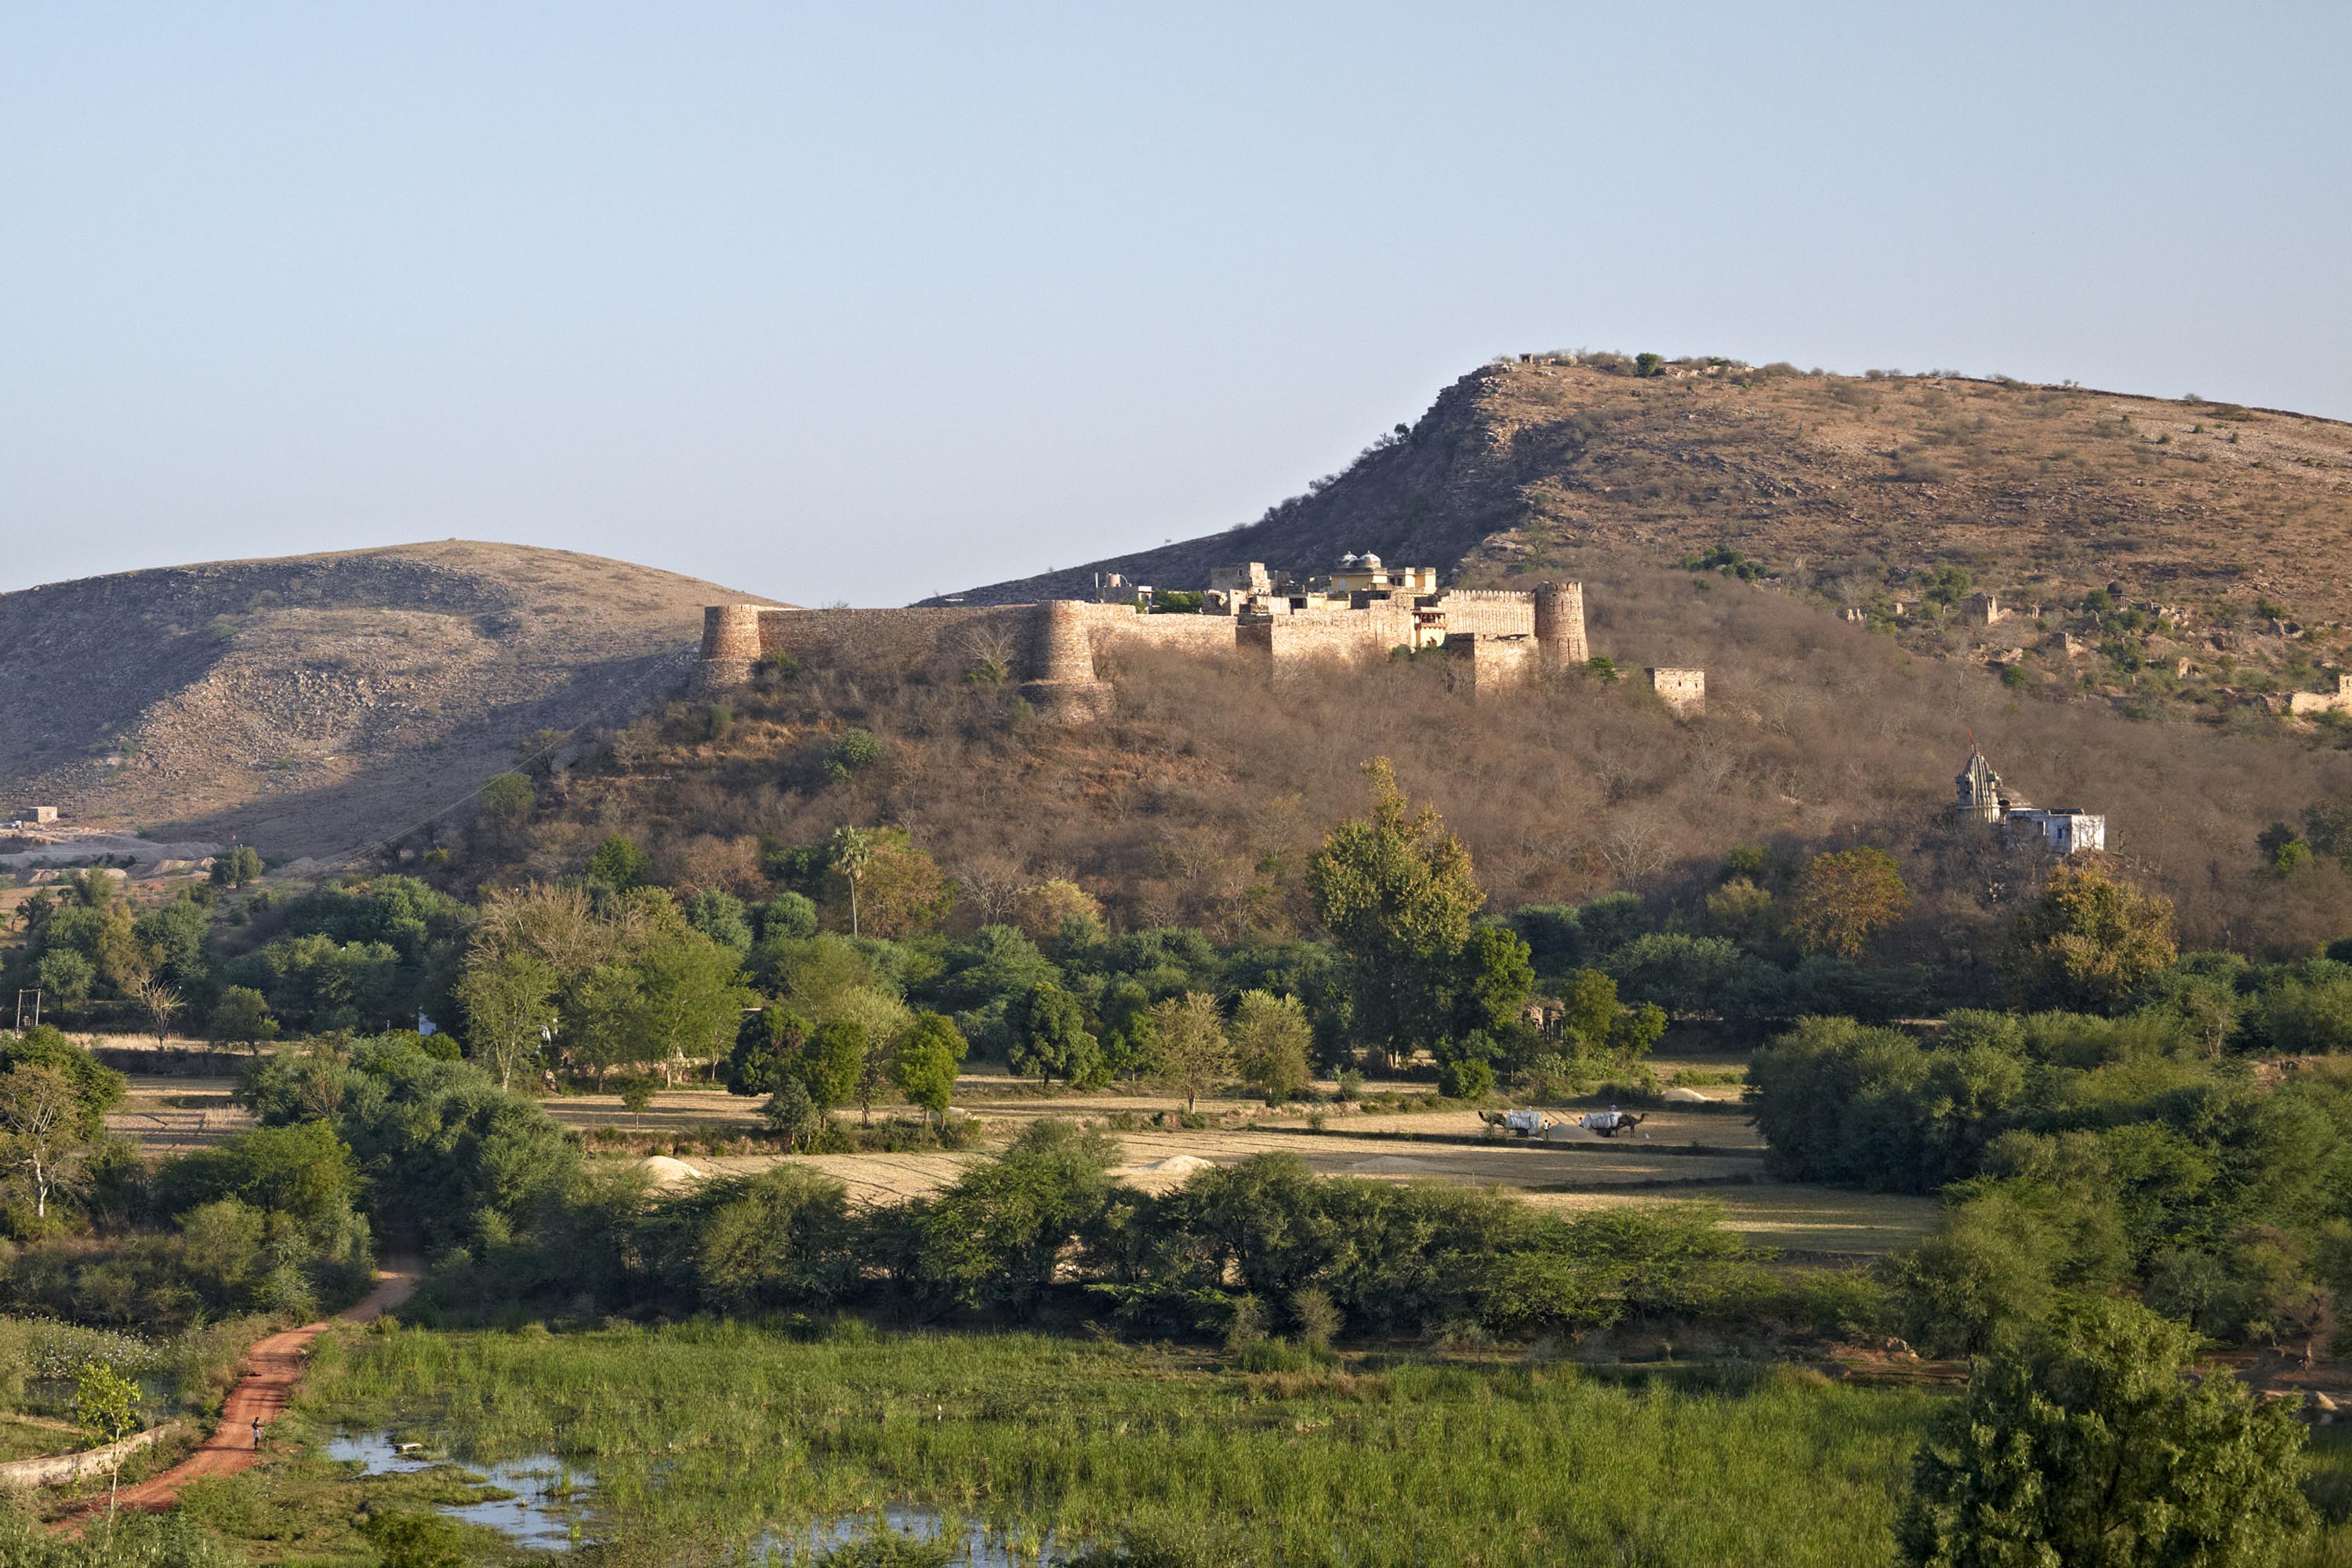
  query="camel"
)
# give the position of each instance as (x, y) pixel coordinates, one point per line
(1609, 1122)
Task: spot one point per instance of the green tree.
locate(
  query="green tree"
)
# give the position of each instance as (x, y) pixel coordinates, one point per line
(509, 997)
(106, 1408)
(97, 1088)
(637, 1095)
(2088, 1445)
(1049, 1037)
(1396, 890)
(2327, 825)
(1271, 1038)
(502, 808)
(689, 1002)
(236, 865)
(831, 1061)
(1190, 1052)
(925, 1066)
(603, 1006)
(998, 1236)
(618, 864)
(242, 1017)
(406, 1538)
(299, 1172)
(902, 888)
(721, 916)
(853, 752)
(1742, 911)
(791, 1115)
(1843, 901)
(2087, 943)
(43, 1140)
(1589, 1009)
(1466, 1076)
(66, 978)
(1490, 979)
(768, 1043)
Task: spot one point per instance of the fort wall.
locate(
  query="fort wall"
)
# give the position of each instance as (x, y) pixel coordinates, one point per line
(1498, 637)
(1193, 633)
(1489, 663)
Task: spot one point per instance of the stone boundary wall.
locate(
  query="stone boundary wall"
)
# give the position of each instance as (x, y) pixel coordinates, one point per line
(1193, 634)
(1491, 664)
(1493, 613)
(56, 1469)
(1291, 639)
(1053, 644)
(956, 633)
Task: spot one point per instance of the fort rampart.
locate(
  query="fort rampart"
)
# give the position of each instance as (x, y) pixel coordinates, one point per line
(1499, 636)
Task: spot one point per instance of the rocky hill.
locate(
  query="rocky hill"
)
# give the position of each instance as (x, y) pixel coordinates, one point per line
(313, 703)
(2215, 533)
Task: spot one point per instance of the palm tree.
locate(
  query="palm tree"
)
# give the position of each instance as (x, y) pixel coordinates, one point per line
(852, 851)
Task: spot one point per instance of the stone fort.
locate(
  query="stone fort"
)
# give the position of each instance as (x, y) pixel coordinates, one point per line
(1502, 638)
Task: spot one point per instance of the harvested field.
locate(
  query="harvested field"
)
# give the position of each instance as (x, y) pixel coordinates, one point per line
(1827, 1222)
(168, 1115)
(1690, 1151)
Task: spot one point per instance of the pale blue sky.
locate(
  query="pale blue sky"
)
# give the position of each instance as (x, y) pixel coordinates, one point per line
(869, 301)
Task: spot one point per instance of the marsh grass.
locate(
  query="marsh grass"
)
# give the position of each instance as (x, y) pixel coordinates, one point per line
(705, 1435)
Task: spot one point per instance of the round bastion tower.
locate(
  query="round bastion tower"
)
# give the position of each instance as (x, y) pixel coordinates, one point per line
(1061, 684)
(730, 645)
(1560, 624)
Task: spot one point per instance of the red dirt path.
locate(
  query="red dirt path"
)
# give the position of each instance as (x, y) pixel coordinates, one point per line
(273, 1367)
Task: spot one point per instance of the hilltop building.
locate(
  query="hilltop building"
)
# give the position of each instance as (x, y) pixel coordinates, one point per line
(1501, 638)
(2065, 829)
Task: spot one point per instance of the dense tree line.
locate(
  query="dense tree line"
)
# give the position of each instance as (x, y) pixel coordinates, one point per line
(267, 1220)
(2138, 1150)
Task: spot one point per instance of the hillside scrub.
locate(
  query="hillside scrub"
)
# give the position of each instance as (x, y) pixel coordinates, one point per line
(2154, 533)
(1202, 799)
(1197, 806)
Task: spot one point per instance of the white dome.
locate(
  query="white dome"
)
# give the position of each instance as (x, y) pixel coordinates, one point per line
(1349, 558)
(1368, 559)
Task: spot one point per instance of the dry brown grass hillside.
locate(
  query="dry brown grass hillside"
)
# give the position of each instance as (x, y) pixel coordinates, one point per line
(2228, 527)
(1201, 799)
(312, 703)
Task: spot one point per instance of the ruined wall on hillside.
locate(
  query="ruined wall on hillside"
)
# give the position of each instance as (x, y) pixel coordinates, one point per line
(1502, 638)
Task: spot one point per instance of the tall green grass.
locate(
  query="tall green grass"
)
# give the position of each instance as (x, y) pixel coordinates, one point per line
(703, 1436)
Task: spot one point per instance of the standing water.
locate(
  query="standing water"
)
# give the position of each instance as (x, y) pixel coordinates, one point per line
(542, 1511)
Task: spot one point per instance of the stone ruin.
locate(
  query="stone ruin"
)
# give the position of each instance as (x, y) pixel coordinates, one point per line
(1683, 691)
(2309, 704)
(1495, 639)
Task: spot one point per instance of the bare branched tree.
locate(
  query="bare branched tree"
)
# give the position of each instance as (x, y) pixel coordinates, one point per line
(1634, 846)
(159, 1000)
(991, 887)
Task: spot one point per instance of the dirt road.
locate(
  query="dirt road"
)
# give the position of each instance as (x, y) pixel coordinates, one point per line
(273, 1367)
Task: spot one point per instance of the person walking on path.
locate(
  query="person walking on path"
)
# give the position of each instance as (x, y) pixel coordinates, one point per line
(273, 1366)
